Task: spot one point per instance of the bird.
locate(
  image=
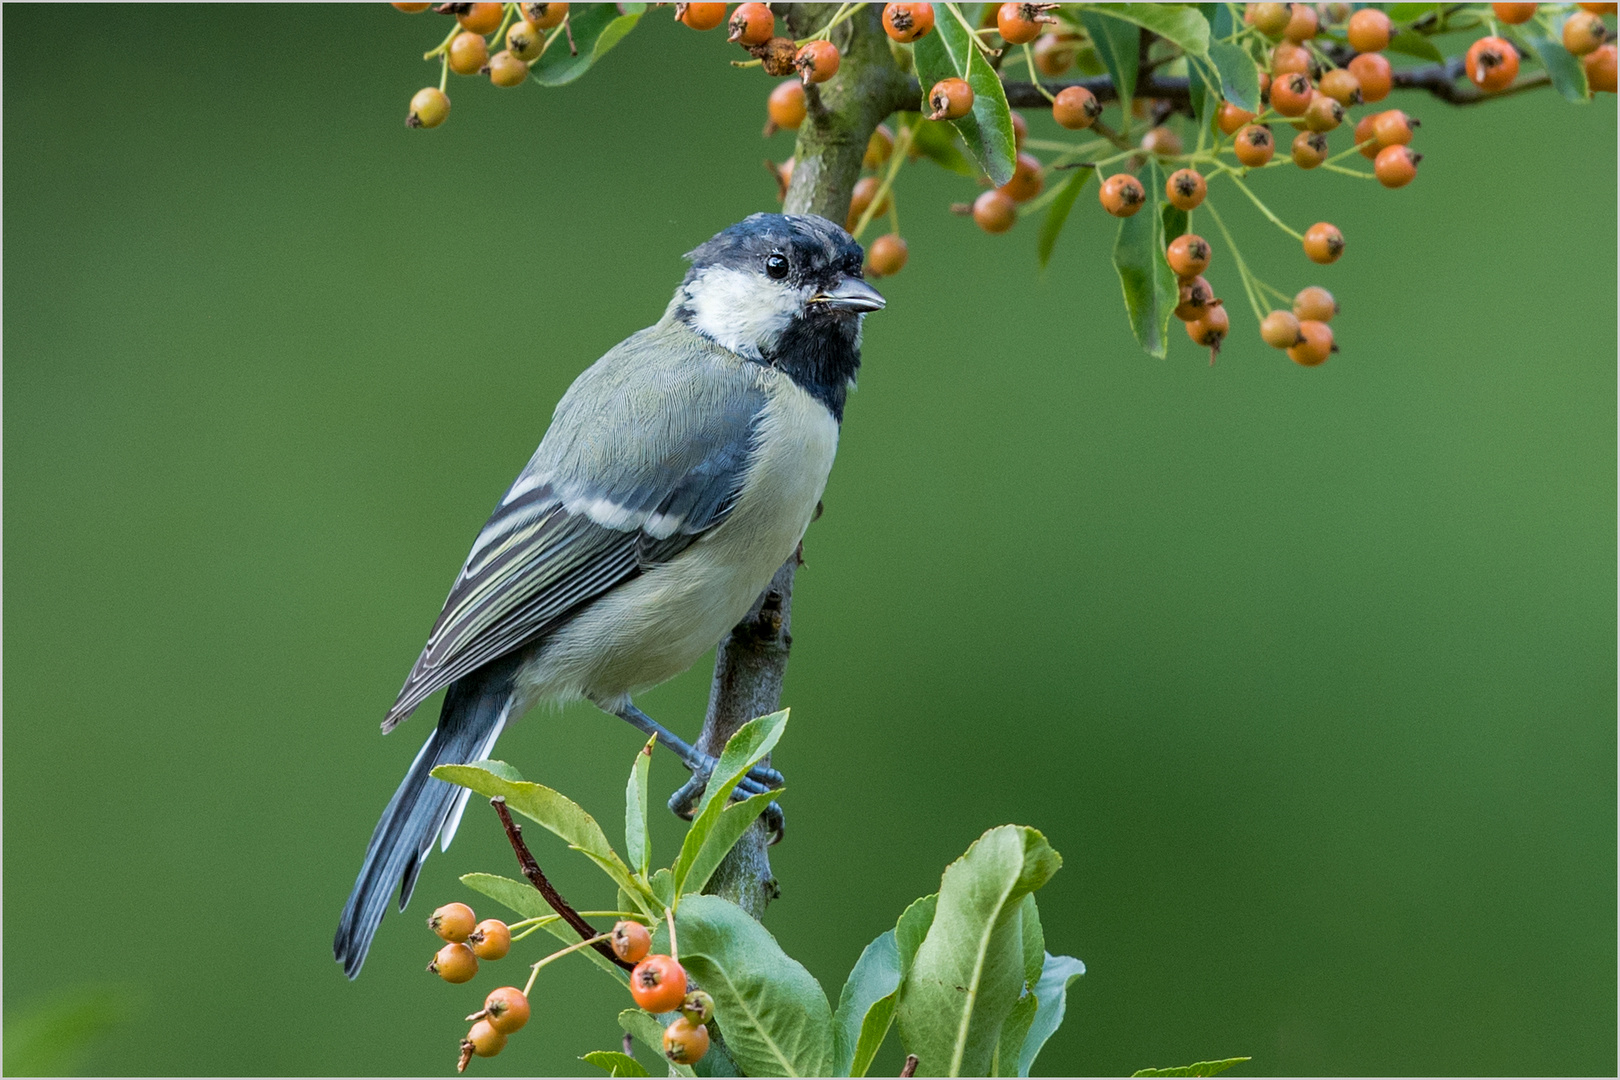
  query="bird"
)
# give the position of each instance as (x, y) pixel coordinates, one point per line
(678, 473)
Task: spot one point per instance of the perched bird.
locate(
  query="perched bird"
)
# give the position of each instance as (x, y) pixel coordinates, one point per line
(678, 473)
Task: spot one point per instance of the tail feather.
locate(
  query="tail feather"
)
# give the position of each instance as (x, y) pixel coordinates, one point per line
(475, 710)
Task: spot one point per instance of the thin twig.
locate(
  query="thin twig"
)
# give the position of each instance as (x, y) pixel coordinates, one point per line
(910, 1068)
(537, 878)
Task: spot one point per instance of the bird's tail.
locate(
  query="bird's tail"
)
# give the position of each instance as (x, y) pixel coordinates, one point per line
(475, 710)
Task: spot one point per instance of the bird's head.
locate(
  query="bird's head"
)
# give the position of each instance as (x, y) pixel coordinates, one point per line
(785, 291)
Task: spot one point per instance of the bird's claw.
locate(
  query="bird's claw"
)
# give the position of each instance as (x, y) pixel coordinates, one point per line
(757, 781)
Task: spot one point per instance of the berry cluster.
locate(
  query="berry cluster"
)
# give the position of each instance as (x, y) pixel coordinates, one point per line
(466, 50)
(658, 983)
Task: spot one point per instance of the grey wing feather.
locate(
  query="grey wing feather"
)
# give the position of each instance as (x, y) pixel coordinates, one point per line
(646, 452)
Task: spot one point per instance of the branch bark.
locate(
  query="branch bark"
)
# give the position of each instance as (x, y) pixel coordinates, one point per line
(751, 662)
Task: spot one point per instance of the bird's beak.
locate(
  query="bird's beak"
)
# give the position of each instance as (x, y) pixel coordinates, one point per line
(851, 294)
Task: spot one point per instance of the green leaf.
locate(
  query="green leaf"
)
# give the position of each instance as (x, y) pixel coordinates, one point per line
(650, 1033)
(1051, 996)
(522, 898)
(1240, 79)
(1412, 43)
(723, 836)
(1149, 285)
(1405, 13)
(615, 1063)
(637, 841)
(1017, 1024)
(773, 1012)
(743, 751)
(987, 131)
(1175, 223)
(1057, 212)
(936, 140)
(866, 1007)
(912, 928)
(499, 768)
(663, 887)
(1179, 24)
(1565, 69)
(50, 1037)
(1199, 1068)
(555, 812)
(969, 972)
(1118, 44)
(597, 28)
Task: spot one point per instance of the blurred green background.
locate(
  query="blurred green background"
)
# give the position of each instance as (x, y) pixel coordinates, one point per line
(1310, 675)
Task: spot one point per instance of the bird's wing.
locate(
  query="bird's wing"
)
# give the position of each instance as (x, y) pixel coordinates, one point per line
(633, 470)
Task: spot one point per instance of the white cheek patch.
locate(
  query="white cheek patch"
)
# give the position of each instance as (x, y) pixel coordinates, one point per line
(740, 310)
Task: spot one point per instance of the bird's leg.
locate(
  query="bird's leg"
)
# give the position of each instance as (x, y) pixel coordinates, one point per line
(756, 781)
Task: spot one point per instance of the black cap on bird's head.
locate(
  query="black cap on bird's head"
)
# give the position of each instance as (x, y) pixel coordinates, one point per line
(783, 290)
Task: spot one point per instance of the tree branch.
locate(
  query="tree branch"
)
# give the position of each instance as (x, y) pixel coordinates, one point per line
(537, 878)
(1440, 80)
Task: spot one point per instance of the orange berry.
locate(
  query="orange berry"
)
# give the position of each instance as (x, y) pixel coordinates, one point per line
(1075, 108)
(866, 189)
(506, 1009)
(1254, 145)
(1513, 14)
(453, 922)
(751, 24)
(1323, 113)
(543, 16)
(701, 16)
(630, 941)
(1374, 77)
(1396, 166)
(1315, 302)
(1270, 19)
(1265, 84)
(1122, 195)
(1016, 23)
(1162, 142)
(1583, 32)
(786, 106)
(685, 1042)
(776, 56)
(1600, 9)
(468, 53)
(1302, 23)
(879, 147)
(817, 61)
(1310, 149)
(1600, 69)
(1054, 54)
(1188, 255)
(481, 18)
(887, 255)
(412, 9)
(1341, 84)
(658, 984)
(1290, 59)
(950, 99)
(484, 1040)
(994, 212)
(429, 107)
(1493, 63)
(524, 41)
(1026, 179)
(1316, 347)
(506, 69)
(1323, 243)
(1367, 136)
(455, 963)
(1229, 117)
(1393, 128)
(1185, 189)
(1369, 30)
(490, 940)
(1211, 329)
(1194, 299)
(1020, 128)
(1291, 94)
(1280, 330)
(907, 22)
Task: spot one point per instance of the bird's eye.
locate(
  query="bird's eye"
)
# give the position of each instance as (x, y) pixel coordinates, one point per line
(776, 265)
